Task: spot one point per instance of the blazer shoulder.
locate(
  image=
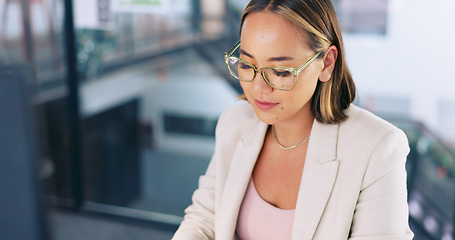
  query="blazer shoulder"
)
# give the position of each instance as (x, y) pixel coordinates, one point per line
(239, 114)
(369, 141)
(362, 121)
(237, 119)
(369, 130)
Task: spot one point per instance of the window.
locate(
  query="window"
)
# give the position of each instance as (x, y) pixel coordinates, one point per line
(362, 16)
(174, 123)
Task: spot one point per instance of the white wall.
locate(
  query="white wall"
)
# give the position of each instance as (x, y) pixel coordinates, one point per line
(414, 61)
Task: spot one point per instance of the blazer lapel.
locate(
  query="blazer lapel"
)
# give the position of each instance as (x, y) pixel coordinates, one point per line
(243, 161)
(318, 178)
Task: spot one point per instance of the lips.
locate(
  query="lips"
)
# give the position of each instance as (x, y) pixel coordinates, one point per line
(264, 105)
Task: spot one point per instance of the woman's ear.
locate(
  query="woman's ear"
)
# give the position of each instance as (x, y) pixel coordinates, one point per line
(329, 61)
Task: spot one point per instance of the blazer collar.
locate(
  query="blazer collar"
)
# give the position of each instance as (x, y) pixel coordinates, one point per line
(318, 178)
(323, 142)
(244, 158)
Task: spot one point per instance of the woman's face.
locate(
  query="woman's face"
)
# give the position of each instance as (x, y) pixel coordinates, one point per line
(268, 40)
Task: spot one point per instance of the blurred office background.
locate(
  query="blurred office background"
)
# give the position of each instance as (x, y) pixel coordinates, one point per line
(108, 108)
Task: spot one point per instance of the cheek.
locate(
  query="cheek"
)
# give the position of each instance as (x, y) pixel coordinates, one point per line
(245, 87)
(307, 84)
(284, 108)
(246, 91)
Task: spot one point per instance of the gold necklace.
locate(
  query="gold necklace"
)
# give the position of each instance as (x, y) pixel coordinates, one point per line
(287, 148)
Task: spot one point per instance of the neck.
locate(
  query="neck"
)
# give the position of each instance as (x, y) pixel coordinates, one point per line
(294, 131)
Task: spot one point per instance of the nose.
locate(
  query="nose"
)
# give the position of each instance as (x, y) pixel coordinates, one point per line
(260, 85)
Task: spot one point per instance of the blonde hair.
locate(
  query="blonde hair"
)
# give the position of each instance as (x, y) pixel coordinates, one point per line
(318, 19)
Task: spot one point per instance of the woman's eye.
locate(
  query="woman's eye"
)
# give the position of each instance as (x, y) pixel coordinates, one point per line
(244, 66)
(281, 73)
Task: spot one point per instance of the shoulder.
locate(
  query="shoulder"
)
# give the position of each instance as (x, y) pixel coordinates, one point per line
(362, 118)
(364, 137)
(240, 114)
(364, 132)
(236, 120)
(364, 125)
(240, 109)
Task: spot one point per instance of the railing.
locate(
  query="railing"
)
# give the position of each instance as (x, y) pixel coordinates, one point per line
(431, 183)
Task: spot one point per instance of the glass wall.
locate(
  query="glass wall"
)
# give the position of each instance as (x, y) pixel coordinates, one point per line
(151, 91)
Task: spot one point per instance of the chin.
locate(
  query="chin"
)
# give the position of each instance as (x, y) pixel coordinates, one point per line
(267, 118)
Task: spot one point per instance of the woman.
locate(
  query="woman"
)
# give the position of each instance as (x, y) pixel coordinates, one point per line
(297, 160)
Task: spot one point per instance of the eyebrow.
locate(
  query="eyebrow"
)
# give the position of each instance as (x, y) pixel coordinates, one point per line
(272, 59)
(243, 52)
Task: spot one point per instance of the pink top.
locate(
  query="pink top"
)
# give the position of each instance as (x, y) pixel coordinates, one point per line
(259, 219)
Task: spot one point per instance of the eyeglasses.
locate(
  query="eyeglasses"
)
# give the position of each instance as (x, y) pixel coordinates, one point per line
(281, 78)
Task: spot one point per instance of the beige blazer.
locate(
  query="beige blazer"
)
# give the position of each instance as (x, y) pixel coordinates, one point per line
(353, 184)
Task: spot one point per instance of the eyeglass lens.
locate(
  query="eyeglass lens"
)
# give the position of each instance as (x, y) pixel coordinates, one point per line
(276, 77)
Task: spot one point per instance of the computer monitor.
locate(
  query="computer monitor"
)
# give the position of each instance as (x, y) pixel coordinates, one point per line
(22, 214)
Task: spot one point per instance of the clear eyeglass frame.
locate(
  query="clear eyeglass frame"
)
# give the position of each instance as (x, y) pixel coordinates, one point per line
(293, 70)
